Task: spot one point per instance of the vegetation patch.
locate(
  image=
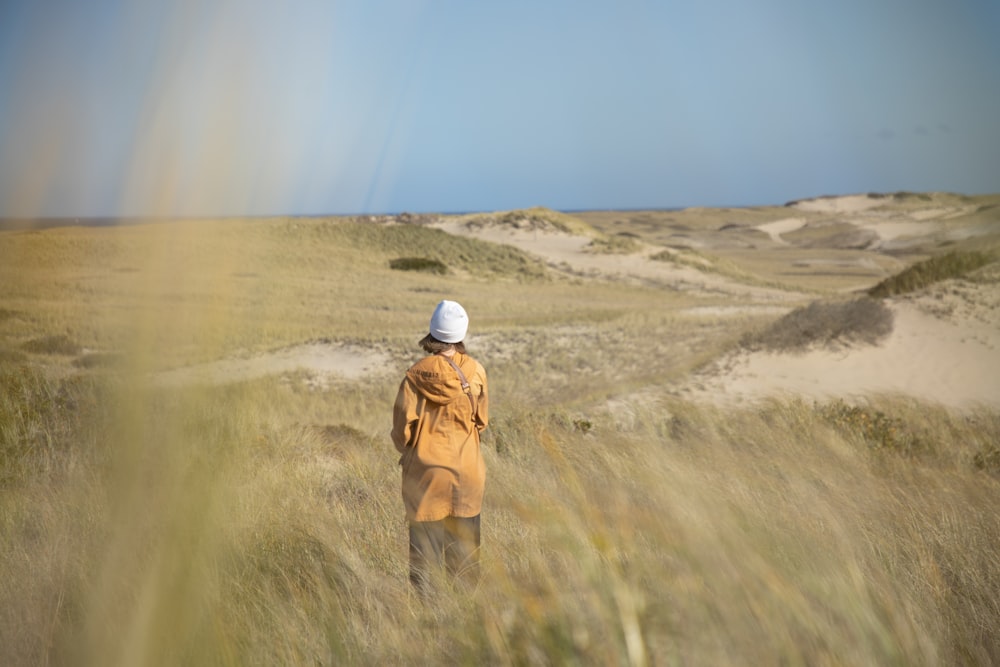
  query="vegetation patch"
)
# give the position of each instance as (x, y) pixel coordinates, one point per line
(613, 245)
(9, 356)
(42, 423)
(533, 219)
(6, 314)
(988, 459)
(942, 267)
(56, 344)
(424, 264)
(684, 256)
(862, 320)
(875, 428)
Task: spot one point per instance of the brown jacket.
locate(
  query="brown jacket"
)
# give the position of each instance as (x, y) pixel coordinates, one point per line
(436, 429)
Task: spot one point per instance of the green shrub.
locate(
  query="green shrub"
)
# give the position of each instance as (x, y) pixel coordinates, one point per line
(614, 245)
(942, 267)
(424, 264)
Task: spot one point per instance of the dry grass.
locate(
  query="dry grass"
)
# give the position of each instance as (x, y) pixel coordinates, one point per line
(708, 263)
(825, 323)
(232, 528)
(935, 269)
(260, 522)
(614, 245)
(54, 344)
(193, 290)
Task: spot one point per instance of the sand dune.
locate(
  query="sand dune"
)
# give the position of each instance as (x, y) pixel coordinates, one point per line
(954, 362)
(945, 346)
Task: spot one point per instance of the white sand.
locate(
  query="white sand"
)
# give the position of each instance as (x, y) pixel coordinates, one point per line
(778, 227)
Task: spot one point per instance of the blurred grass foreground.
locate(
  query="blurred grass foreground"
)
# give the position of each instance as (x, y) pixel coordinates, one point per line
(179, 527)
(258, 522)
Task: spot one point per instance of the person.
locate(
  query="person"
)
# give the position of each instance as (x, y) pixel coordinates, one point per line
(440, 410)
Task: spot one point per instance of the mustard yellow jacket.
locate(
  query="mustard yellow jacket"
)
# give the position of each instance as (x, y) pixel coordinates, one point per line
(436, 427)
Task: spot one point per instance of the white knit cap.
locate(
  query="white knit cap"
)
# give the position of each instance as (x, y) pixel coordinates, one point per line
(449, 322)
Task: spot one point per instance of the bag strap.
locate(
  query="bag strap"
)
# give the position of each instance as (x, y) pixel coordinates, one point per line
(465, 383)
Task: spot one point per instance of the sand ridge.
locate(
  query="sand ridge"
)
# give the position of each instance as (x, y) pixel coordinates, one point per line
(568, 253)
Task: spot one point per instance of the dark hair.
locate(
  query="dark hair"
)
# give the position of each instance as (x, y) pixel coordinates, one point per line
(432, 345)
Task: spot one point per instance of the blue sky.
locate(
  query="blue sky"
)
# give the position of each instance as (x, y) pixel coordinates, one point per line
(126, 107)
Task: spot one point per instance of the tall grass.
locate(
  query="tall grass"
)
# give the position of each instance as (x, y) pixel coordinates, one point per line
(233, 527)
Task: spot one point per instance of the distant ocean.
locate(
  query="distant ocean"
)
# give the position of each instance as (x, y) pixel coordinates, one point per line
(29, 224)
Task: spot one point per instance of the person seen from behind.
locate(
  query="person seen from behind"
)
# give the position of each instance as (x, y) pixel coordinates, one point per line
(440, 410)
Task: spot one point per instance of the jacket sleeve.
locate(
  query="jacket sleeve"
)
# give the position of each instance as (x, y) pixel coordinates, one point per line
(404, 416)
(482, 402)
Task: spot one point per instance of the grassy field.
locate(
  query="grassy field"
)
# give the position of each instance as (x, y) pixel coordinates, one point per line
(259, 522)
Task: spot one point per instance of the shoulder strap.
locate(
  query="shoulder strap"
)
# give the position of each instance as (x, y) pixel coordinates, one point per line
(465, 382)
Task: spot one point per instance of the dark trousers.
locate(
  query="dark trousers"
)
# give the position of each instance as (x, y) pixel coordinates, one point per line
(451, 544)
